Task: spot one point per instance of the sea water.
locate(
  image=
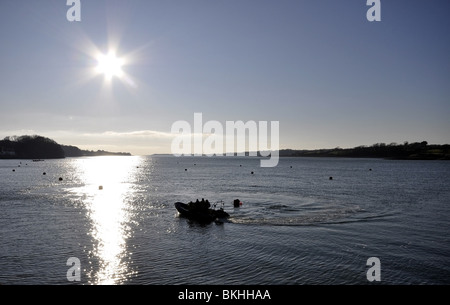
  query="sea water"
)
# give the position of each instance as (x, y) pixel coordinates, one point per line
(306, 221)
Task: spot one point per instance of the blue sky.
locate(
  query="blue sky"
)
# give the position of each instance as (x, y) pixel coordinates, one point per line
(329, 76)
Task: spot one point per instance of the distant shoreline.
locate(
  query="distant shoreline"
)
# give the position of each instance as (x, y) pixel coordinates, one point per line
(38, 147)
(393, 151)
(406, 151)
(73, 151)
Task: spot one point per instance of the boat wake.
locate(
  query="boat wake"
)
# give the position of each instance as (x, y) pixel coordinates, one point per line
(290, 216)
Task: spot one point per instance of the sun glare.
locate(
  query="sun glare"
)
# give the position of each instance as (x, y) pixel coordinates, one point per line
(106, 193)
(109, 65)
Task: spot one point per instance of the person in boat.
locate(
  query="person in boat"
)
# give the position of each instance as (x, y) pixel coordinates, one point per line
(197, 205)
(193, 205)
(204, 205)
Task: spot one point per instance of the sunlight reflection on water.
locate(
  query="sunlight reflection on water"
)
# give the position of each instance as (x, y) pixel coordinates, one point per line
(105, 191)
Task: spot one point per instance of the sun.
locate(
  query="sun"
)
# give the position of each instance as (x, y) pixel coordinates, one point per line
(110, 65)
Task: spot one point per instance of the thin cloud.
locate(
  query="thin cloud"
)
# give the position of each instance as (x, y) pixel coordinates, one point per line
(137, 133)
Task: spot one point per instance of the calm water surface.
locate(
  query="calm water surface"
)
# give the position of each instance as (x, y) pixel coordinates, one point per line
(296, 226)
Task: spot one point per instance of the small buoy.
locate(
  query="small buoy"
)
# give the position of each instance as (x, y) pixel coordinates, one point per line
(237, 203)
(253, 173)
(100, 187)
(240, 165)
(291, 166)
(331, 178)
(60, 179)
(14, 170)
(185, 169)
(44, 173)
(370, 169)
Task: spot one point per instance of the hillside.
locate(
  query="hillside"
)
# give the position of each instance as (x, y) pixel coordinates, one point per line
(38, 147)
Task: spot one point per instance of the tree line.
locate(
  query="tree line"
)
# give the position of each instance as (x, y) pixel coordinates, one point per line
(406, 151)
(38, 147)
